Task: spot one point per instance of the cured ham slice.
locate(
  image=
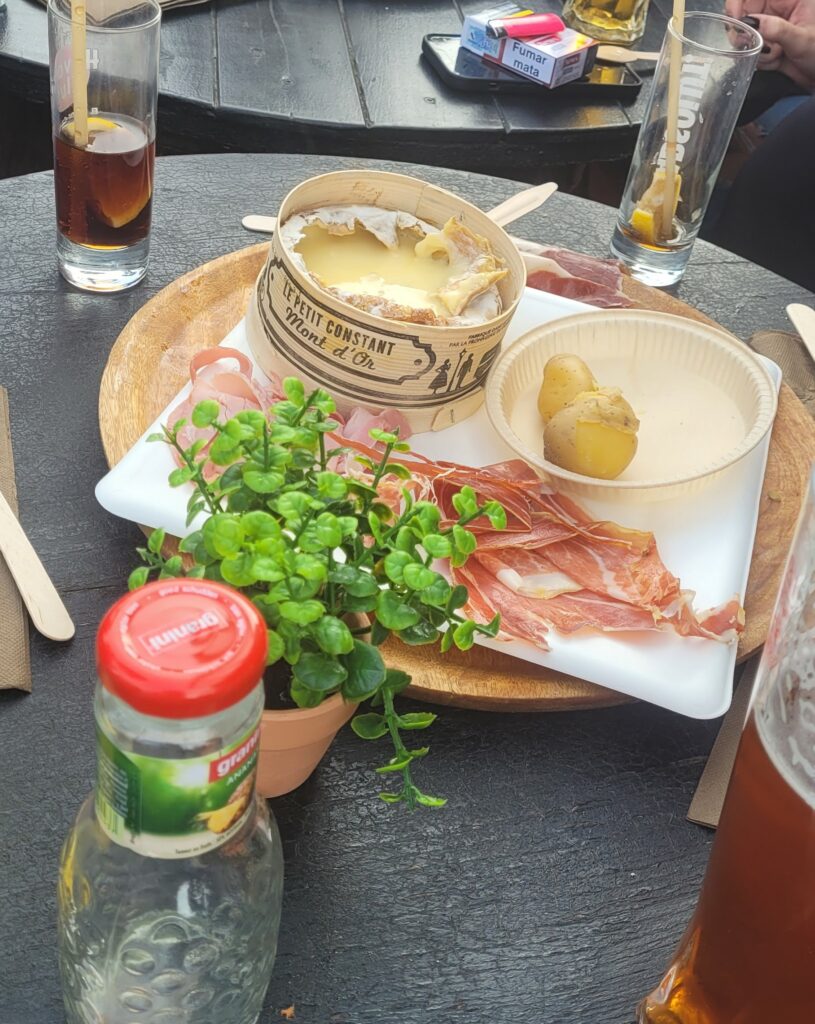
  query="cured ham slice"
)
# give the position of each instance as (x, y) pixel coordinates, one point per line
(215, 375)
(573, 275)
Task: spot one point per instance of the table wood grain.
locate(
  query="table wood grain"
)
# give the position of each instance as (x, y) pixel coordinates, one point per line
(554, 885)
(344, 77)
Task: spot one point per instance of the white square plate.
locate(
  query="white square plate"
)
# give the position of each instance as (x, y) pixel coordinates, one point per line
(706, 539)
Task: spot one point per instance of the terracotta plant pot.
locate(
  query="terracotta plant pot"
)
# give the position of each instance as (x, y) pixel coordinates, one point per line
(293, 742)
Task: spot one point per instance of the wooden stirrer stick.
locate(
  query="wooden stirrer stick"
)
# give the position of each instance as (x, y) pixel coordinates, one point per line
(79, 73)
(674, 77)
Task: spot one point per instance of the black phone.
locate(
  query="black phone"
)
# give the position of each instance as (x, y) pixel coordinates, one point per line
(464, 70)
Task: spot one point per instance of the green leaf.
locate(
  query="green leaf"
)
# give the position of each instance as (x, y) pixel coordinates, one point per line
(319, 672)
(398, 470)
(156, 437)
(261, 481)
(195, 506)
(464, 541)
(205, 413)
(394, 613)
(294, 391)
(492, 627)
(436, 545)
(416, 720)
(260, 525)
(155, 542)
(237, 570)
(302, 612)
(375, 525)
(446, 641)
(268, 569)
(225, 533)
(418, 577)
(437, 594)
(310, 567)
(327, 529)
(406, 540)
(331, 485)
(496, 514)
(429, 801)
(370, 726)
(178, 477)
(356, 582)
(391, 798)
(396, 680)
(359, 604)
(458, 598)
(276, 647)
(171, 568)
(348, 524)
(463, 635)
(396, 763)
(293, 505)
(138, 577)
(378, 633)
(238, 430)
(303, 697)
(189, 543)
(384, 436)
(465, 502)
(422, 633)
(333, 635)
(365, 671)
(394, 565)
(224, 450)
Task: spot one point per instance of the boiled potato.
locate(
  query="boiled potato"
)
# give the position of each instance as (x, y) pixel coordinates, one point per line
(595, 434)
(564, 378)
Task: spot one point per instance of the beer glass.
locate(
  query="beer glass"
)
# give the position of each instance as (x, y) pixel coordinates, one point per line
(104, 79)
(717, 57)
(611, 21)
(748, 954)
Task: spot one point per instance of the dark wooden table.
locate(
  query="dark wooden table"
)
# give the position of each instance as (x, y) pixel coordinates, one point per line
(344, 77)
(551, 889)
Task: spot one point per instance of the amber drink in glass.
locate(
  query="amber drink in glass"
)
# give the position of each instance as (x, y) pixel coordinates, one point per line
(748, 954)
(104, 140)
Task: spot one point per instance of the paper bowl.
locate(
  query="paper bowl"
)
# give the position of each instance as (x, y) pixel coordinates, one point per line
(435, 375)
(704, 400)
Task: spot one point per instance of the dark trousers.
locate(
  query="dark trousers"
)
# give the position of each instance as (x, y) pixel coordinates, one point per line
(768, 215)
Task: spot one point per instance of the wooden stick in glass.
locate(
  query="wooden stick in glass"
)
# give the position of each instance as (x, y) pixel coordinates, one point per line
(674, 77)
(79, 73)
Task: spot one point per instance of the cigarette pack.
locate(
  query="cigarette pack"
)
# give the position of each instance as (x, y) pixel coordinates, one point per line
(550, 60)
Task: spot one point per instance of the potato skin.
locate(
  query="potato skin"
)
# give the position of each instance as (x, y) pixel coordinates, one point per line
(595, 435)
(564, 378)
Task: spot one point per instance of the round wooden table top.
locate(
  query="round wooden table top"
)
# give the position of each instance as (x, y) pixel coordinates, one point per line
(149, 364)
(555, 884)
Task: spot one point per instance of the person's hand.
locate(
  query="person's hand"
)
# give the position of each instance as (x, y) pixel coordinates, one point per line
(788, 30)
(791, 49)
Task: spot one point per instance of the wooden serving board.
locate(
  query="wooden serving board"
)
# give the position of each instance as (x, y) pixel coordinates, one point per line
(149, 363)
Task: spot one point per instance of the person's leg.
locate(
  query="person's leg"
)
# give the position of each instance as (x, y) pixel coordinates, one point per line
(769, 213)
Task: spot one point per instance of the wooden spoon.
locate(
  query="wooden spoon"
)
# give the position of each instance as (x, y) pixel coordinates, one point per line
(48, 613)
(505, 213)
(621, 55)
(803, 320)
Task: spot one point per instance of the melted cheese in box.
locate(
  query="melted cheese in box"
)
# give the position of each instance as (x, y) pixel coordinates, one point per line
(394, 265)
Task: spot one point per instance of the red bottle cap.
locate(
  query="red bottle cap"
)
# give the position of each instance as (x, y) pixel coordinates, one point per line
(181, 648)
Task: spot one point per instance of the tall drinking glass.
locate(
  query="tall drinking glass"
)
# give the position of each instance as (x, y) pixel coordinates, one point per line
(717, 57)
(104, 58)
(748, 955)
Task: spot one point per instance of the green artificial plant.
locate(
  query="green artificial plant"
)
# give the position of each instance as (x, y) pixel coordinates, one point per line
(308, 545)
